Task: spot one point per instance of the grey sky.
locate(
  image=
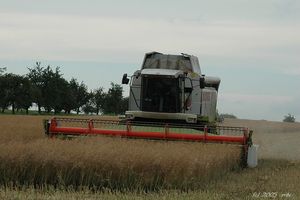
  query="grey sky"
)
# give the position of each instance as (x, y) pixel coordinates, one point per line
(253, 46)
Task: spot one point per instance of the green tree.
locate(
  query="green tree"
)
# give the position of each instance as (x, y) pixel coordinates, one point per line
(16, 92)
(219, 117)
(24, 98)
(35, 76)
(2, 70)
(4, 92)
(60, 94)
(113, 98)
(98, 99)
(69, 100)
(89, 108)
(229, 116)
(53, 89)
(289, 118)
(79, 93)
(124, 105)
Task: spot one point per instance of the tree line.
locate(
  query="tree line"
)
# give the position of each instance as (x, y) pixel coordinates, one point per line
(52, 93)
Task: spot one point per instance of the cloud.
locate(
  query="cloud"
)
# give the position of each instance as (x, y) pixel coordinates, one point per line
(98, 38)
(267, 10)
(292, 71)
(227, 40)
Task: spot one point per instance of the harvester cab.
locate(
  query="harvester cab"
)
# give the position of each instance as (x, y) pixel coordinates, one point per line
(171, 88)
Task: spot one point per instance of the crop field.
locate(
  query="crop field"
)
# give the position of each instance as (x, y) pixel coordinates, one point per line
(33, 166)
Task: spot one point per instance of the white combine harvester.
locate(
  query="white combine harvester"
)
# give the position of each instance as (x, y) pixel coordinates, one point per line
(171, 88)
(170, 99)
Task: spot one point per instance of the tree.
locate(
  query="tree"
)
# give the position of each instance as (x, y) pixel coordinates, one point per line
(124, 105)
(229, 116)
(98, 99)
(79, 93)
(48, 87)
(289, 118)
(88, 108)
(219, 117)
(113, 98)
(4, 87)
(35, 76)
(2, 70)
(69, 100)
(16, 92)
(24, 98)
(60, 93)
(53, 89)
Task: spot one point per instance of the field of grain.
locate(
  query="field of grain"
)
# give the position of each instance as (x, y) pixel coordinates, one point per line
(35, 167)
(27, 157)
(273, 179)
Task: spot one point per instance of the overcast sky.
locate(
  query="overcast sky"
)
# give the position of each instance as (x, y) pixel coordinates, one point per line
(253, 46)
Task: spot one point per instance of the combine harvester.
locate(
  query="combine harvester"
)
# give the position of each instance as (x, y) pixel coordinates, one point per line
(170, 99)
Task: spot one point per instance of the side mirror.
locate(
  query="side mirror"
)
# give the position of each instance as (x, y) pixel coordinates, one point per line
(202, 82)
(125, 79)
